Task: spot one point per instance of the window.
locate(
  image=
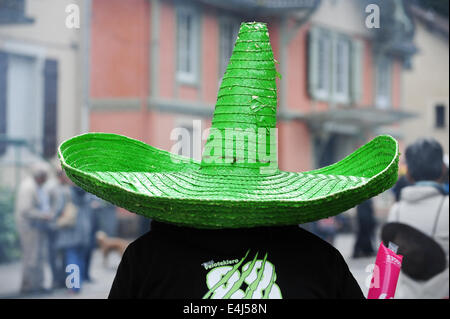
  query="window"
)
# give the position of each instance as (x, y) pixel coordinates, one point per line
(28, 104)
(187, 44)
(323, 52)
(439, 111)
(229, 29)
(13, 12)
(383, 83)
(334, 66)
(341, 74)
(3, 101)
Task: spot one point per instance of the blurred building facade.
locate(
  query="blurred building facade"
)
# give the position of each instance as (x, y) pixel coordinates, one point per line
(157, 65)
(427, 81)
(144, 67)
(41, 93)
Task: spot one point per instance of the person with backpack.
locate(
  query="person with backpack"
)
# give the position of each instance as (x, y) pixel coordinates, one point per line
(424, 206)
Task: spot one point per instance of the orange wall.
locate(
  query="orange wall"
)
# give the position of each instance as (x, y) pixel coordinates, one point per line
(127, 123)
(297, 72)
(210, 52)
(294, 147)
(396, 83)
(119, 48)
(166, 63)
(158, 132)
(120, 68)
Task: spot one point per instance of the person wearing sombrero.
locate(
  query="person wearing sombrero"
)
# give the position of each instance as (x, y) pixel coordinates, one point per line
(227, 227)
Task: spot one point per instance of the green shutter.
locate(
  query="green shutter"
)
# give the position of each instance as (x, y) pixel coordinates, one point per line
(313, 61)
(333, 65)
(356, 65)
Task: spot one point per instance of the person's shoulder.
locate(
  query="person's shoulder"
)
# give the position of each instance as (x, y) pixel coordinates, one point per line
(295, 236)
(142, 242)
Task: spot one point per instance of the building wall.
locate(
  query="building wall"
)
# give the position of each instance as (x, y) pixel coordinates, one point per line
(426, 85)
(49, 37)
(125, 74)
(119, 66)
(342, 15)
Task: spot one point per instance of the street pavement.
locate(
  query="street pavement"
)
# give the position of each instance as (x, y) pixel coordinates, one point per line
(103, 277)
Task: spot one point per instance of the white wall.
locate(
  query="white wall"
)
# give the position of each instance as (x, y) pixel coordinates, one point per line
(426, 85)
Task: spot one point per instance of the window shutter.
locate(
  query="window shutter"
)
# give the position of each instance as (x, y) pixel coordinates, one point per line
(383, 82)
(3, 90)
(333, 66)
(356, 86)
(313, 61)
(50, 107)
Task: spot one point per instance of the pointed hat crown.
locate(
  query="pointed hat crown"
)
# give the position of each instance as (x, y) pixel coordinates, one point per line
(242, 134)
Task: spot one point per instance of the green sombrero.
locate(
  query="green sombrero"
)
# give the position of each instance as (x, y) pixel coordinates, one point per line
(237, 184)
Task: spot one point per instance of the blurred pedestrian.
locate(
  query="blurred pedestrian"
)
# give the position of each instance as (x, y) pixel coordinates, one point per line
(105, 215)
(58, 193)
(75, 224)
(103, 218)
(326, 229)
(32, 213)
(446, 175)
(424, 206)
(366, 227)
(399, 186)
(402, 182)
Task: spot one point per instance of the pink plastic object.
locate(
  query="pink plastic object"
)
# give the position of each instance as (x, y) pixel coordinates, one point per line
(385, 273)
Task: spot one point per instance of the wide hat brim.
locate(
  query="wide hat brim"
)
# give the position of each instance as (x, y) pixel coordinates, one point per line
(174, 189)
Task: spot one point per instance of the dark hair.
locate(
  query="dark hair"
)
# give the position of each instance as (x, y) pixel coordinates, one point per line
(424, 159)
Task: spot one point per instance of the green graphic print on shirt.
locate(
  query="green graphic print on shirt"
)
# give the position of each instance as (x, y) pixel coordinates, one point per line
(254, 280)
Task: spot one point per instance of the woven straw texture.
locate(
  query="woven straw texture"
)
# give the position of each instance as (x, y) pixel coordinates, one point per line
(229, 187)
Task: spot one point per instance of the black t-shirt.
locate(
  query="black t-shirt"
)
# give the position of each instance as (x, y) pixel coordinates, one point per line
(268, 262)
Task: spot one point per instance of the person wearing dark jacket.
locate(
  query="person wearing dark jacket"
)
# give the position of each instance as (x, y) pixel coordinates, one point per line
(74, 232)
(366, 227)
(261, 262)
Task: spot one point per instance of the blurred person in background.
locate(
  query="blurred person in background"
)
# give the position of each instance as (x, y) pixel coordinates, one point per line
(366, 227)
(144, 225)
(326, 228)
(32, 215)
(103, 218)
(425, 206)
(58, 194)
(402, 182)
(74, 233)
(446, 175)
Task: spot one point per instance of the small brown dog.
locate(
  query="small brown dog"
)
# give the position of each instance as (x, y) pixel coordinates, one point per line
(110, 244)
